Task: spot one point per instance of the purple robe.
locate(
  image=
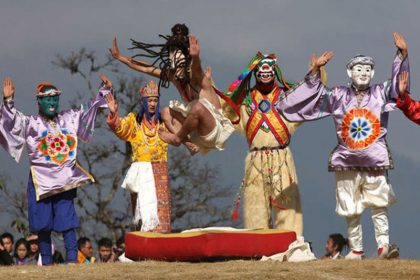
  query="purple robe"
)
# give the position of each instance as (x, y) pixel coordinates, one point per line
(51, 145)
(361, 129)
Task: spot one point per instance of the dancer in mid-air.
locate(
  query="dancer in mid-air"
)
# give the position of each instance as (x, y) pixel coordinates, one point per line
(199, 118)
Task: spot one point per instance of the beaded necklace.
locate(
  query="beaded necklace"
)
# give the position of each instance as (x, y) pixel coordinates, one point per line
(150, 136)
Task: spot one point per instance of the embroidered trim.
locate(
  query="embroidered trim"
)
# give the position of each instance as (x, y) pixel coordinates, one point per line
(64, 188)
(332, 168)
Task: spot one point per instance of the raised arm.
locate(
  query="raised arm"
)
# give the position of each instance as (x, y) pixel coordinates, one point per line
(113, 119)
(399, 65)
(12, 123)
(137, 65)
(410, 108)
(122, 127)
(310, 100)
(87, 114)
(196, 69)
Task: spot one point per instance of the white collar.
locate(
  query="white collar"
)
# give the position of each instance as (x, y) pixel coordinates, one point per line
(335, 256)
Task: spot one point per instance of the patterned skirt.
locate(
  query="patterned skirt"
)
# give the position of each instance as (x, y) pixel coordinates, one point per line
(163, 194)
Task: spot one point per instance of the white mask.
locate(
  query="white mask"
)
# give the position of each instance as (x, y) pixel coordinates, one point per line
(361, 75)
(177, 62)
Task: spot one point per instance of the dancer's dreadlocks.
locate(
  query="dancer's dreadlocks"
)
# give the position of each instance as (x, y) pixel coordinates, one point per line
(160, 52)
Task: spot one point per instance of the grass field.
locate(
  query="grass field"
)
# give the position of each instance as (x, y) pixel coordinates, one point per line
(341, 269)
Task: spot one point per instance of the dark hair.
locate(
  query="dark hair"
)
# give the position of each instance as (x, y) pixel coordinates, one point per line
(6, 235)
(120, 241)
(160, 52)
(22, 241)
(339, 241)
(82, 242)
(58, 258)
(105, 242)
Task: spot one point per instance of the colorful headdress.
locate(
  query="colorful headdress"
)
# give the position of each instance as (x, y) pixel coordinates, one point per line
(47, 89)
(150, 90)
(239, 89)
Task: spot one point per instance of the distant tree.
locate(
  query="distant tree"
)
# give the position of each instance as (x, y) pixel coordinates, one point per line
(14, 204)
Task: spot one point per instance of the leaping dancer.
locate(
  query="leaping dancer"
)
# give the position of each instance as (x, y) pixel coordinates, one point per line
(199, 119)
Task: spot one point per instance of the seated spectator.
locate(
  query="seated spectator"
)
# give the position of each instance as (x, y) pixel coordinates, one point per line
(33, 244)
(7, 242)
(106, 251)
(120, 246)
(22, 253)
(5, 258)
(58, 258)
(334, 246)
(85, 254)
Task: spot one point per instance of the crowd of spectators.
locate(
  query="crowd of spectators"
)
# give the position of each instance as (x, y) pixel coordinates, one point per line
(25, 251)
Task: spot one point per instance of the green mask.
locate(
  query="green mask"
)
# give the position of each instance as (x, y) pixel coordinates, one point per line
(48, 105)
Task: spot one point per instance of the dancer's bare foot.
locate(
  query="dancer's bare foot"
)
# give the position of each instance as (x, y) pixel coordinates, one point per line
(192, 148)
(170, 138)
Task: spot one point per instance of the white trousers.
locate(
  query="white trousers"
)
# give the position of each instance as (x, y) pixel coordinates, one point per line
(380, 222)
(140, 180)
(217, 138)
(357, 191)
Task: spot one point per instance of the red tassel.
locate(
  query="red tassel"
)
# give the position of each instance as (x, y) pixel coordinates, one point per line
(235, 213)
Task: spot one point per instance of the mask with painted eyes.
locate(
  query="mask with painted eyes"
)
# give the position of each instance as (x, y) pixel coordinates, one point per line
(360, 71)
(48, 105)
(265, 71)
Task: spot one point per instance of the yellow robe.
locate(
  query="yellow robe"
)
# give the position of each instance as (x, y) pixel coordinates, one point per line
(148, 149)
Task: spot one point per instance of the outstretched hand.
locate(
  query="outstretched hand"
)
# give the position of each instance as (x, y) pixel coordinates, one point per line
(107, 82)
(400, 43)
(8, 88)
(318, 62)
(194, 46)
(115, 52)
(403, 82)
(112, 103)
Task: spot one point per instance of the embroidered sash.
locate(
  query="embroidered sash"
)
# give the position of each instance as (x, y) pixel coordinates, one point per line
(264, 112)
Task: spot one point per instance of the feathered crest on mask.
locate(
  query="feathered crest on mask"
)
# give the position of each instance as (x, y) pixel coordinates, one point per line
(161, 54)
(240, 88)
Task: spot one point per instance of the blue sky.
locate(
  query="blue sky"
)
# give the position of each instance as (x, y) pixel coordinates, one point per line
(33, 32)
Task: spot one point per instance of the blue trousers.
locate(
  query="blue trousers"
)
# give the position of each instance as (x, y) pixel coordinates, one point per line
(54, 213)
(45, 248)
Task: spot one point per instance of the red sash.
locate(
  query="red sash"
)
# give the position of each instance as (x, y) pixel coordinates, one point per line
(265, 112)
